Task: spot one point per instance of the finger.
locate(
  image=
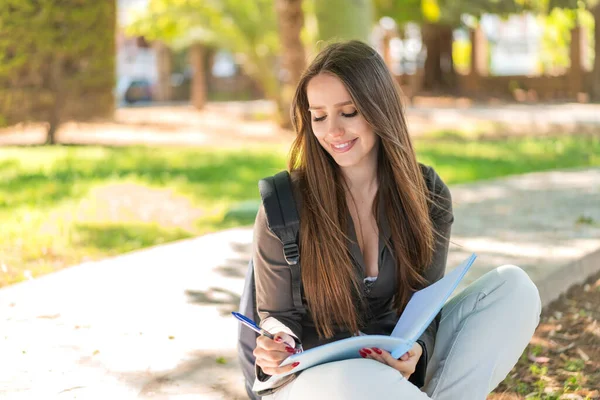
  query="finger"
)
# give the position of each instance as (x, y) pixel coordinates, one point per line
(417, 350)
(405, 367)
(365, 353)
(282, 337)
(270, 355)
(387, 357)
(273, 345)
(280, 370)
(404, 357)
(375, 354)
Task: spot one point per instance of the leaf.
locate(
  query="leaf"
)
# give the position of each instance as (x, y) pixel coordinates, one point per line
(221, 360)
(565, 348)
(583, 355)
(538, 359)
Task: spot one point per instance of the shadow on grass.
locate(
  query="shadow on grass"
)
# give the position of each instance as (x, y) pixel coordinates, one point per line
(125, 237)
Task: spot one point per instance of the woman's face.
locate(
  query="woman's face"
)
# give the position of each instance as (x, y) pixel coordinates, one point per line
(340, 128)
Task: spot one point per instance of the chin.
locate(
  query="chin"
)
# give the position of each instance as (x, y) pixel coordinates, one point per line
(345, 163)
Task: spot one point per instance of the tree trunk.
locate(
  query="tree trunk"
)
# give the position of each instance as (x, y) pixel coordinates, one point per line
(198, 91)
(595, 89)
(164, 69)
(290, 21)
(51, 133)
(58, 91)
(439, 66)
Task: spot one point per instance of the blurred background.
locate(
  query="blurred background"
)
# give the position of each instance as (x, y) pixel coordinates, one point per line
(169, 112)
(133, 123)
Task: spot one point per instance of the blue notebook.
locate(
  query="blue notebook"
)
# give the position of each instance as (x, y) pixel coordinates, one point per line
(422, 308)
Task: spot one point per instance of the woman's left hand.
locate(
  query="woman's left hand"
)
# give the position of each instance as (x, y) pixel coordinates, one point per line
(405, 364)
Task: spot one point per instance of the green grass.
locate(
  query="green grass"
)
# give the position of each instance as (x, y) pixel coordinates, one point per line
(63, 205)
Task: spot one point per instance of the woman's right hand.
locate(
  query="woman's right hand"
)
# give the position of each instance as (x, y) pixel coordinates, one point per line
(270, 353)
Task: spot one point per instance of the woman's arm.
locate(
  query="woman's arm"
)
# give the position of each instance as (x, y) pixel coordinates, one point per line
(273, 282)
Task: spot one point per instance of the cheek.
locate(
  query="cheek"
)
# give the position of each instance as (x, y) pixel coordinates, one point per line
(322, 142)
(319, 130)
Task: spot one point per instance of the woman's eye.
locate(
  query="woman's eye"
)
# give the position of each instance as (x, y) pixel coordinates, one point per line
(352, 114)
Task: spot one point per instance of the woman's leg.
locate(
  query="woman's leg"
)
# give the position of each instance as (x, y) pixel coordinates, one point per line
(356, 379)
(482, 333)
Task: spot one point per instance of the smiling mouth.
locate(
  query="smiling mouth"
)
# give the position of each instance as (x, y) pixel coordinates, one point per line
(343, 147)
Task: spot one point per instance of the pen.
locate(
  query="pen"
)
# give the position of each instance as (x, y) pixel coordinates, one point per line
(252, 325)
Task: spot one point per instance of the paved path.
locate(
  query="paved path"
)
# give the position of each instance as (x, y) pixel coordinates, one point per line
(153, 324)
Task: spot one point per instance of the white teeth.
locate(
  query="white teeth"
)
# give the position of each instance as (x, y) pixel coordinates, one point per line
(342, 146)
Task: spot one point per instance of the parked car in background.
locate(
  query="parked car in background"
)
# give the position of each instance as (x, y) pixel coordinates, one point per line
(132, 90)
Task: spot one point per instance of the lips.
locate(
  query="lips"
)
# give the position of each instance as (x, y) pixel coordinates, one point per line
(343, 147)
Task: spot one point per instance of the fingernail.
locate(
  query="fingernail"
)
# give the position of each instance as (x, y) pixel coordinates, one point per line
(290, 350)
(363, 355)
(295, 364)
(366, 351)
(376, 350)
(278, 339)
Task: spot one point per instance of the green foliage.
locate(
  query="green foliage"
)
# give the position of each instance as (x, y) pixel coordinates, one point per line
(57, 59)
(574, 365)
(400, 11)
(537, 350)
(537, 370)
(450, 11)
(344, 20)
(572, 383)
(248, 29)
(556, 38)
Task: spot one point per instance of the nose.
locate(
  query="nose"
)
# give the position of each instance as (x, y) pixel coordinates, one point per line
(335, 129)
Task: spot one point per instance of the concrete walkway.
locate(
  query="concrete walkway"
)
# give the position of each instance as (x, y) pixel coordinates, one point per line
(155, 324)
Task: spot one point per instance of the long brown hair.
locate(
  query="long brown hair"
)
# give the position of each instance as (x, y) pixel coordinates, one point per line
(331, 284)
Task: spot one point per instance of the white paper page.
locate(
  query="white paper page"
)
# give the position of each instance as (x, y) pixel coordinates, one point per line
(418, 314)
(426, 303)
(343, 350)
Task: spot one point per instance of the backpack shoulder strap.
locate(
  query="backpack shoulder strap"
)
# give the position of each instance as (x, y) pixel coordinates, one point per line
(283, 221)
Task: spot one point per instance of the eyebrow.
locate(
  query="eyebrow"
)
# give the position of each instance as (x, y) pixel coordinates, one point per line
(343, 103)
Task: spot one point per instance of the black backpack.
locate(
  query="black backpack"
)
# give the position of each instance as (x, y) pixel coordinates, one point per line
(283, 221)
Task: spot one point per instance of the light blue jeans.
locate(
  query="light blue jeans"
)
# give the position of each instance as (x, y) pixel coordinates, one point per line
(483, 332)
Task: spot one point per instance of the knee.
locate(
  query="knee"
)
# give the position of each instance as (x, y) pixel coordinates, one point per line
(520, 286)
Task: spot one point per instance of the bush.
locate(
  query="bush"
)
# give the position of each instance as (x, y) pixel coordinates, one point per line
(60, 61)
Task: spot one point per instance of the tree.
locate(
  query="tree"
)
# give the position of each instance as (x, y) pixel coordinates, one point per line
(594, 7)
(595, 89)
(438, 19)
(58, 62)
(293, 57)
(344, 20)
(247, 29)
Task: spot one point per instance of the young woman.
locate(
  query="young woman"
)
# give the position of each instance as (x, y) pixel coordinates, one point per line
(374, 228)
